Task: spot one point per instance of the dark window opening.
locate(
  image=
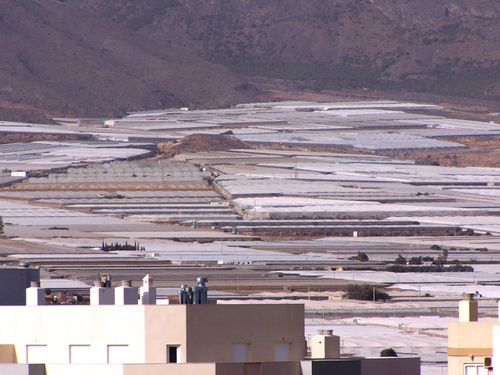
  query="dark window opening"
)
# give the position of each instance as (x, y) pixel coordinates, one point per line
(172, 354)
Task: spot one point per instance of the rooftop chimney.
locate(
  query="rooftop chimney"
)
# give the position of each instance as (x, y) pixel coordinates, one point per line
(325, 345)
(35, 296)
(101, 295)
(197, 295)
(126, 294)
(467, 309)
(147, 292)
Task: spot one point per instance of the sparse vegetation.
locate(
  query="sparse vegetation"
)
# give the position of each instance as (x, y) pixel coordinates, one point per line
(362, 257)
(113, 196)
(135, 15)
(365, 292)
(400, 260)
(415, 261)
(437, 267)
(120, 247)
(389, 352)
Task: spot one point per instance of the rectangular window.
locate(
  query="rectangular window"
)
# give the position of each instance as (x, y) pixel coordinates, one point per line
(282, 352)
(80, 354)
(470, 369)
(173, 354)
(36, 354)
(241, 352)
(118, 354)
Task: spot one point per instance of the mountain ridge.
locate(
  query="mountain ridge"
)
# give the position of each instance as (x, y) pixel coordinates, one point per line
(58, 60)
(99, 58)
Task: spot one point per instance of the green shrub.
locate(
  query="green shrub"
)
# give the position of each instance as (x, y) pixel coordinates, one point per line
(365, 292)
(389, 352)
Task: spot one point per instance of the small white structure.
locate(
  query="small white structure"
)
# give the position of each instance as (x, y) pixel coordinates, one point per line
(126, 294)
(100, 295)
(35, 296)
(467, 309)
(147, 291)
(325, 345)
(19, 174)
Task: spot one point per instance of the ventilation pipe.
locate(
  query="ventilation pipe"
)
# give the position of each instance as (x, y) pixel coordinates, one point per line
(197, 295)
(467, 309)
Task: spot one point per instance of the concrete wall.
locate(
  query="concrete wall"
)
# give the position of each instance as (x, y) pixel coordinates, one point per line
(18, 279)
(8, 353)
(133, 369)
(328, 367)
(466, 339)
(141, 333)
(165, 325)
(390, 366)
(22, 369)
(212, 330)
(282, 368)
(496, 348)
(48, 333)
(363, 366)
(323, 346)
(265, 368)
(65, 369)
(171, 369)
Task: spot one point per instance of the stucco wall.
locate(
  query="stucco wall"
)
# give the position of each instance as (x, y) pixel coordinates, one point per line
(65, 369)
(466, 339)
(21, 369)
(8, 353)
(18, 279)
(141, 333)
(351, 366)
(212, 330)
(171, 369)
(52, 329)
(390, 366)
(265, 368)
(165, 325)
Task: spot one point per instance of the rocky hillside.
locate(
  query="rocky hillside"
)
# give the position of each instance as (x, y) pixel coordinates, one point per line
(439, 46)
(102, 57)
(59, 60)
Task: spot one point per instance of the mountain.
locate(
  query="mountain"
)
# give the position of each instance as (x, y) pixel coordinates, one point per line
(59, 60)
(105, 57)
(448, 47)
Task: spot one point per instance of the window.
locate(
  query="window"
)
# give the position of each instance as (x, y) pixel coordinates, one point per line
(118, 354)
(470, 369)
(282, 352)
(36, 353)
(80, 354)
(173, 354)
(240, 352)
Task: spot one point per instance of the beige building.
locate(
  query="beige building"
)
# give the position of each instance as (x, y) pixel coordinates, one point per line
(150, 334)
(470, 341)
(140, 339)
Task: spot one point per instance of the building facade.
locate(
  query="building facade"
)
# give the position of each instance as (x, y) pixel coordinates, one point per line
(470, 341)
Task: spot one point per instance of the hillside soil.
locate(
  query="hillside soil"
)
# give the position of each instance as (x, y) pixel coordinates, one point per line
(201, 143)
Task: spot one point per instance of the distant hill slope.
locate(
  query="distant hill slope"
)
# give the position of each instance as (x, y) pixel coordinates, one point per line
(57, 59)
(449, 47)
(104, 57)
